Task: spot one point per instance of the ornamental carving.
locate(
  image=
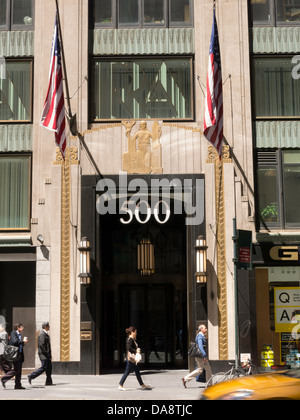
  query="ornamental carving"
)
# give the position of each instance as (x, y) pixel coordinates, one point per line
(144, 149)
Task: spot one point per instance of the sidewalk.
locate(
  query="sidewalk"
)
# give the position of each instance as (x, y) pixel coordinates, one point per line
(166, 386)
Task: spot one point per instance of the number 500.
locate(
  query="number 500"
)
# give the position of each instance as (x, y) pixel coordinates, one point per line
(137, 212)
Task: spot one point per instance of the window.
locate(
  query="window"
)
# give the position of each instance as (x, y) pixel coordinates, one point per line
(275, 12)
(16, 91)
(142, 13)
(16, 15)
(278, 179)
(15, 175)
(142, 88)
(276, 91)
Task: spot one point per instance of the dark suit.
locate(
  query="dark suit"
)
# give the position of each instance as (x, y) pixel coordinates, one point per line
(45, 355)
(16, 340)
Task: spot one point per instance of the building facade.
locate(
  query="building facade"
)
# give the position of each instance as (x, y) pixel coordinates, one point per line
(142, 183)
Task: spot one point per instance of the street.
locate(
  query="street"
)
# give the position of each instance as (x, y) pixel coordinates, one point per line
(166, 385)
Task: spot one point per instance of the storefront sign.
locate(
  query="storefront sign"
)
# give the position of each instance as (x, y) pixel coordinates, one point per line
(287, 308)
(284, 253)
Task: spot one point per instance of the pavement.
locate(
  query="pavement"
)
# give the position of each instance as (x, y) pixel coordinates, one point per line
(166, 385)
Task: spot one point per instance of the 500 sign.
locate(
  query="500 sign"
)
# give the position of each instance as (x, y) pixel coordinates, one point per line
(140, 200)
(126, 208)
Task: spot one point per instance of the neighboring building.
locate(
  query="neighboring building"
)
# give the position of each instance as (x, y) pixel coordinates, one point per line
(137, 72)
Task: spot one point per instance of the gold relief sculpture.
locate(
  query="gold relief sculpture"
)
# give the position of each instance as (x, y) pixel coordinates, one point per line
(144, 149)
(70, 160)
(214, 158)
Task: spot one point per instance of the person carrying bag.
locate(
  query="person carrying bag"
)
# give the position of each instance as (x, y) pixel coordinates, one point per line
(7, 352)
(198, 351)
(132, 359)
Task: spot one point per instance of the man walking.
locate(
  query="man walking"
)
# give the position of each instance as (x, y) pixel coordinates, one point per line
(202, 363)
(45, 355)
(17, 341)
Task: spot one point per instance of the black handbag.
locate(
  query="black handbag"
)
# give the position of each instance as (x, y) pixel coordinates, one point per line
(194, 350)
(11, 353)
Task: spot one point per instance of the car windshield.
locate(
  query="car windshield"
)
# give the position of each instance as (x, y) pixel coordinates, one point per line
(294, 373)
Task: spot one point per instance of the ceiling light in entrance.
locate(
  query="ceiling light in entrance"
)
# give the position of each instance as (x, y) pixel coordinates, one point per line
(146, 259)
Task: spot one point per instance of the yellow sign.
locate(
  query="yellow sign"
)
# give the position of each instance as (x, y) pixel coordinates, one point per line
(287, 308)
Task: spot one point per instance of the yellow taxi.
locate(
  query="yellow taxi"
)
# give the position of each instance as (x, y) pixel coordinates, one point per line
(283, 385)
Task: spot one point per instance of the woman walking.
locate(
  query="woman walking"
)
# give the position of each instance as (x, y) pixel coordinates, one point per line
(132, 350)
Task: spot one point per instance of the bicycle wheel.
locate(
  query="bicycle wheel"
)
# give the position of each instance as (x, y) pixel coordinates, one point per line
(217, 378)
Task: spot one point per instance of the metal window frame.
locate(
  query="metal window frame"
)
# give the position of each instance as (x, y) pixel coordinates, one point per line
(30, 120)
(273, 22)
(115, 24)
(132, 58)
(29, 156)
(9, 19)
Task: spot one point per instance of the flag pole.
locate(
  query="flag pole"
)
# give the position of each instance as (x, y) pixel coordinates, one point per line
(71, 118)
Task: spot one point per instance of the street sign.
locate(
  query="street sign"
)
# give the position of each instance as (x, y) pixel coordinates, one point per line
(244, 249)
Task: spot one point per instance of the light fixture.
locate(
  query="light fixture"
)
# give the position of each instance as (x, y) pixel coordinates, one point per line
(85, 262)
(145, 256)
(40, 238)
(27, 20)
(201, 274)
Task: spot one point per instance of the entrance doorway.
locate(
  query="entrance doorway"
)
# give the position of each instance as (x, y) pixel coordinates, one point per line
(149, 308)
(156, 304)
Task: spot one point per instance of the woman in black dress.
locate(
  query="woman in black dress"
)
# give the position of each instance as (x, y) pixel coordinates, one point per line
(131, 366)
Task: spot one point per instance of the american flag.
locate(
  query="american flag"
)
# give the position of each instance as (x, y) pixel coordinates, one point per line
(213, 118)
(53, 116)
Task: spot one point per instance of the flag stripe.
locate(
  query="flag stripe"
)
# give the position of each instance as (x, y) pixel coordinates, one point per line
(213, 116)
(53, 115)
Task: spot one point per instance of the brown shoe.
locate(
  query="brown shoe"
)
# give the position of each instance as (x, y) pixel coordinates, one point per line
(184, 382)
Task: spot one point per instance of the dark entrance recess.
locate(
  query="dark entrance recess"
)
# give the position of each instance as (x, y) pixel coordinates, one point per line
(157, 304)
(166, 305)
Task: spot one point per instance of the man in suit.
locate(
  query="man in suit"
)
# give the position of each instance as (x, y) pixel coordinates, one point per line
(202, 363)
(17, 341)
(45, 355)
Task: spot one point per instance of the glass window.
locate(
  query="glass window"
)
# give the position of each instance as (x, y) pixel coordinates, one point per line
(15, 92)
(14, 192)
(261, 11)
(277, 92)
(287, 11)
(180, 11)
(291, 174)
(103, 12)
(3, 13)
(128, 11)
(268, 194)
(154, 11)
(143, 88)
(22, 12)
(142, 13)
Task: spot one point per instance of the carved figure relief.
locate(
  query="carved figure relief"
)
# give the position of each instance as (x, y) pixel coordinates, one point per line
(144, 149)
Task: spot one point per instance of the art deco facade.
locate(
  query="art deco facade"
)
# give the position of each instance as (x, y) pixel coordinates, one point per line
(136, 74)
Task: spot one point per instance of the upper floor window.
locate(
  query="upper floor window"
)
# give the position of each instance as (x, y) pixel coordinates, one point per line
(276, 89)
(275, 12)
(16, 15)
(142, 13)
(141, 88)
(16, 91)
(278, 186)
(15, 175)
